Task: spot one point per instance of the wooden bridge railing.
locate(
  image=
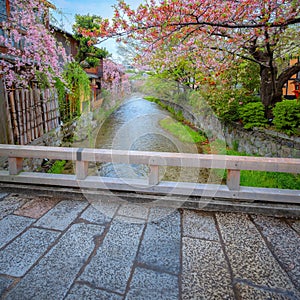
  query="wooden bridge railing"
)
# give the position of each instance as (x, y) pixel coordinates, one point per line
(155, 160)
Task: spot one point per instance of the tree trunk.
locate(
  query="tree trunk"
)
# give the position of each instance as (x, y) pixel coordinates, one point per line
(271, 85)
(269, 92)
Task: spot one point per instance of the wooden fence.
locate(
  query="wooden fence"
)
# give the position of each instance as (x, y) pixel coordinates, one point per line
(155, 160)
(31, 113)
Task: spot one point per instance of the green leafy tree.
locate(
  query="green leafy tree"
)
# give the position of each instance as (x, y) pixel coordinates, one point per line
(88, 53)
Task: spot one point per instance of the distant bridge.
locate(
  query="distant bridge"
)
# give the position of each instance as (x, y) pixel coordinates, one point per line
(155, 160)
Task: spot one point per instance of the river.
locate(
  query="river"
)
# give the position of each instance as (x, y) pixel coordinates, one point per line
(135, 126)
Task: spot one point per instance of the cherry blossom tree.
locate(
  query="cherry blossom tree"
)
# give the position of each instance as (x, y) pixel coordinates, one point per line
(214, 33)
(115, 79)
(32, 53)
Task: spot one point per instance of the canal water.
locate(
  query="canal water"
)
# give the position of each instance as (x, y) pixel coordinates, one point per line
(135, 126)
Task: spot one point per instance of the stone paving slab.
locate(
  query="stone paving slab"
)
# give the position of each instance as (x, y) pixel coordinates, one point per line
(81, 291)
(17, 258)
(110, 267)
(11, 226)
(36, 207)
(54, 274)
(105, 248)
(10, 203)
(107, 273)
(205, 272)
(161, 244)
(133, 211)
(149, 284)
(248, 254)
(284, 242)
(107, 205)
(200, 225)
(122, 240)
(62, 215)
(93, 215)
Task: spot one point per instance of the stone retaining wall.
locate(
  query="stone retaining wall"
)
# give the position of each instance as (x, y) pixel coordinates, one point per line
(261, 142)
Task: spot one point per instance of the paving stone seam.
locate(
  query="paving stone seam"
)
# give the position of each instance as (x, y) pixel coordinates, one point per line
(92, 286)
(223, 247)
(270, 248)
(97, 241)
(291, 226)
(135, 263)
(199, 238)
(264, 287)
(16, 280)
(155, 269)
(180, 255)
(135, 217)
(43, 228)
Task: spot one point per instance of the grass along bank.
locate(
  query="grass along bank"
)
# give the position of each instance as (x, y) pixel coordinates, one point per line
(248, 178)
(255, 178)
(183, 132)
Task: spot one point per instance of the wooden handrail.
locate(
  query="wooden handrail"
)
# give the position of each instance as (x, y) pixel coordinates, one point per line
(82, 156)
(214, 161)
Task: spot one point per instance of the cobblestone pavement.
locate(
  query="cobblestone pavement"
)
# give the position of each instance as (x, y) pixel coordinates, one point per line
(63, 248)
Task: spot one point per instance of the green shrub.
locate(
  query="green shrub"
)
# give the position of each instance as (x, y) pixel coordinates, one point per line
(228, 111)
(287, 116)
(253, 115)
(57, 167)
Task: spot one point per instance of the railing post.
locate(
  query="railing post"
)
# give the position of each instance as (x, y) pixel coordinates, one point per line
(233, 179)
(81, 169)
(15, 165)
(154, 175)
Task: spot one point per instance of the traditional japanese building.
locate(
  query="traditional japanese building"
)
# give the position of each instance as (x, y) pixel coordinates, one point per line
(95, 74)
(291, 89)
(25, 114)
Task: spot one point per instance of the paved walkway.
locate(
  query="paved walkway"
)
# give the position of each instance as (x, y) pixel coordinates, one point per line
(62, 248)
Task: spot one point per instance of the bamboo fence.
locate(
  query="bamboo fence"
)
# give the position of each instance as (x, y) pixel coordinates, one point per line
(31, 113)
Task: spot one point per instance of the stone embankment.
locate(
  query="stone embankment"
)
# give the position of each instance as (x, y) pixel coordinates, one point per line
(261, 142)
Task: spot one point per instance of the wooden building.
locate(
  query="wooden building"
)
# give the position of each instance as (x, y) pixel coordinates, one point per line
(95, 74)
(291, 89)
(25, 114)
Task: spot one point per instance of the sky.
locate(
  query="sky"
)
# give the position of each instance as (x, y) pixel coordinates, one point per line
(102, 8)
